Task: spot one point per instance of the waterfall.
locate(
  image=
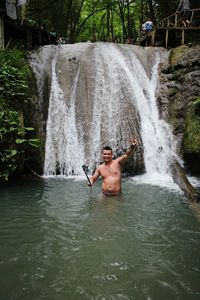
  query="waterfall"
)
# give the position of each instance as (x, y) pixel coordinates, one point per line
(103, 94)
(158, 142)
(64, 149)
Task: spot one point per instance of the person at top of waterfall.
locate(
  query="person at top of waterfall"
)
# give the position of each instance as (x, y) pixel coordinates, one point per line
(184, 6)
(148, 25)
(59, 40)
(110, 170)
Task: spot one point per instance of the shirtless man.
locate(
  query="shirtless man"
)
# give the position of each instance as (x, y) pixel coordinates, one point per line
(110, 171)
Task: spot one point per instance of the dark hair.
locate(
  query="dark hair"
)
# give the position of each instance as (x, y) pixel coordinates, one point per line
(106, 148)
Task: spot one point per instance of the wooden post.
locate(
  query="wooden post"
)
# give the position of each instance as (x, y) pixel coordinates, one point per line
(168, 22)
(2, 38)
(192, 15)
(183, 37)
(29, 39)
(175, 25)
(153, 37)
(166, 38)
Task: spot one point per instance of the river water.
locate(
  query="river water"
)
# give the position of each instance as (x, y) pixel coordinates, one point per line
(58, 241)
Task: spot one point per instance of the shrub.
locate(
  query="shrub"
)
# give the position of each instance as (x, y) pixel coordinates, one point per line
(15, 101)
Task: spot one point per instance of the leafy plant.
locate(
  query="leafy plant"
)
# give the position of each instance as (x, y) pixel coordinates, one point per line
(13, 142)
(15, 100)
(196, 105)
(14, 79)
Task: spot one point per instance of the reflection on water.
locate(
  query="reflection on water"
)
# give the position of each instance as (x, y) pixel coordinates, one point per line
(59, 242)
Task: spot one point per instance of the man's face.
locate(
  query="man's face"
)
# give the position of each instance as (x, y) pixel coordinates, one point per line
(107, 155)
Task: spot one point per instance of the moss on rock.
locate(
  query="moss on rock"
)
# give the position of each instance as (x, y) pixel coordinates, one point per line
(191, 141)
(176, 55)
(192, 134)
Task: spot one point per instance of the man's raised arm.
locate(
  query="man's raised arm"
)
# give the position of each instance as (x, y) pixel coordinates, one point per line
(128, 153)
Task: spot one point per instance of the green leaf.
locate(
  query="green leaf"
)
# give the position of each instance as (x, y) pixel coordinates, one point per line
(13, 129)
(29, 128)
(13, 123)
(34, 142)
(13, 153)
(20, 141)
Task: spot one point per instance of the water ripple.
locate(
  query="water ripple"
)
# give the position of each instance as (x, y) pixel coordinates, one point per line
(59, 245)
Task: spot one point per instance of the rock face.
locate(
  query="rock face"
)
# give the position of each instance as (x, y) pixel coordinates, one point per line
(41, 61)
(179, 87)
(100, 94)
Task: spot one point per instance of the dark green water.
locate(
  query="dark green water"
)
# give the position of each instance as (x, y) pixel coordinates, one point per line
(58, 242)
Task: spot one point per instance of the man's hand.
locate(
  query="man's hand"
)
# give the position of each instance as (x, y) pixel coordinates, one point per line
(89, 184)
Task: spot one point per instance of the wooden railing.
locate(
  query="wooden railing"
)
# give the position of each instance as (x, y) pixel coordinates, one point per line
(32, 35)
(174, 20)
(170, 24)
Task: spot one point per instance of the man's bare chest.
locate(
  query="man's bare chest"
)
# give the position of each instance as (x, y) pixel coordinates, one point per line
(112, 170)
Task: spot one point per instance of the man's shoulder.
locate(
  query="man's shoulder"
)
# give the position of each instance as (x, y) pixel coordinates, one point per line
(121, 158)
(100, 167)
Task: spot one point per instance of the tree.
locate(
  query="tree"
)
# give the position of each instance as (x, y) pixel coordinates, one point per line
(82, 20)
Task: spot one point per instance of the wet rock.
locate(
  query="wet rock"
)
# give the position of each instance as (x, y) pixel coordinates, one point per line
(181, 179)
(179, 86)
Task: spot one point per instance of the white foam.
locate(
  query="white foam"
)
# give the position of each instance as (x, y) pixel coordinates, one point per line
(65, 177)
(156, 179)
(194, 181)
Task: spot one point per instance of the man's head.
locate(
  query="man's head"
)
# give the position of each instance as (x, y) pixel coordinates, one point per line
(107, 153)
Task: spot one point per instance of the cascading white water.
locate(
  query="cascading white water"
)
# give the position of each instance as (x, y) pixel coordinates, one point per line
(110, 91)
(158, 142)
(64, 149)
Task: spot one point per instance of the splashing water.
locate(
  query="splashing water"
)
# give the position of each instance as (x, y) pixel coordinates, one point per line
(119, 102)
(158, 141)
(63, 150)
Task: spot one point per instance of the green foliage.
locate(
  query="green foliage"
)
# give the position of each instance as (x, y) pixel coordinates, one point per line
(192, 132)
(14, 78)
(196, 105)
(10, 153)
(15, 92)
(95, 20)
(13, 142)
(99, 20)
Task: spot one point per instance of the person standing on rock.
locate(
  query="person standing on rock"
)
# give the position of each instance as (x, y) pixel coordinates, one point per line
(110, 170)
